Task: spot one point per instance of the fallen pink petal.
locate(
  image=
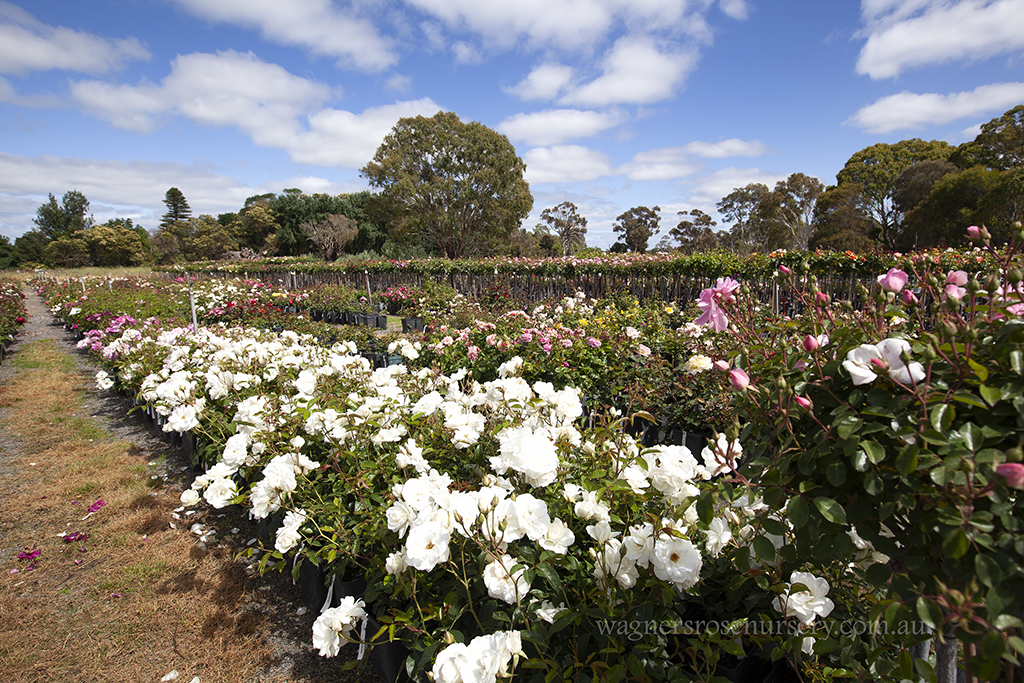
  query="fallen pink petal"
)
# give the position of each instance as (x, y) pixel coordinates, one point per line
(97, 505)
(28, 554)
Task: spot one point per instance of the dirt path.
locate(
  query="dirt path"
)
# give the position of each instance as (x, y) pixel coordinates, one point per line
(126, 592)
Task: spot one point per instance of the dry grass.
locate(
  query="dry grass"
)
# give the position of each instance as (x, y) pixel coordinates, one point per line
(135, 599)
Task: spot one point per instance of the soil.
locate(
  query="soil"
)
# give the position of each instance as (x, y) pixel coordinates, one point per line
(146, 599)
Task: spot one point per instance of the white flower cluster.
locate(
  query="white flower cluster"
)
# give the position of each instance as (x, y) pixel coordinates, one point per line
(482, 661)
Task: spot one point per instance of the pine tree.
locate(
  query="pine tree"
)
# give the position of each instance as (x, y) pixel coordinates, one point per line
(178, 210)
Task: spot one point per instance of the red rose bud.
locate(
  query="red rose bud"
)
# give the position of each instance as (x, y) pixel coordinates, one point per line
(1013, 473)
(804, 403)
(909, 298)
(19, 320)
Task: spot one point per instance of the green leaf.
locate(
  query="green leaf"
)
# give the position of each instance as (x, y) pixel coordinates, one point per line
(764, 549)
(969, 399)
(987, 570)
(955, 543)
(797, 511)
(942, 417)
(875, 453)
(1017, 361)
(550, 575)
(992, 395)
(705, 508)
(836, 473)
(906, 461)
(980, 370)
(973, 437)
(929, 612)
(934, 437)
(830, 510)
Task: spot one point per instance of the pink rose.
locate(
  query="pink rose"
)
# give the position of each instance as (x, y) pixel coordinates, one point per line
(740, 380)
(1013, 473)
(893, 281)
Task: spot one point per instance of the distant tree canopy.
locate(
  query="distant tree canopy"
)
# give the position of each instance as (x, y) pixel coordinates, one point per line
(457, 189)
(636, 227)
(456, 186)
(570, 227)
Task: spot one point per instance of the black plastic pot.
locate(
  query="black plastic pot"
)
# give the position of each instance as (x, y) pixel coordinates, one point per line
(412, 325)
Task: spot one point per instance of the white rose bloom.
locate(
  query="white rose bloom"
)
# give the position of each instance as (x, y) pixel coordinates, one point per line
(510, 367)
(719, 535)
(558, 537)
(189, 497)
(103, 380)
(411, 455)
(611, 562)
(400, 516)
(639, 544)
(531, 515)
(427, 545)
(395, 563)
(220, 492)
(502, 583)
(288, 535)
(698, 364)
(235, 453)
(335, 623)
(717, 455)
(805, 605)
(858, 363)
(677, 561)
(548, 612)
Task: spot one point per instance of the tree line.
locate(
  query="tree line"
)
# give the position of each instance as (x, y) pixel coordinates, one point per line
(442, 187)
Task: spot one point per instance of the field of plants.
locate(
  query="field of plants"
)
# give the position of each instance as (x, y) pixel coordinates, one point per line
(613, 488)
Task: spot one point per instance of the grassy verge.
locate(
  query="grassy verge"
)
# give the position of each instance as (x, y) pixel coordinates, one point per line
(115, 594)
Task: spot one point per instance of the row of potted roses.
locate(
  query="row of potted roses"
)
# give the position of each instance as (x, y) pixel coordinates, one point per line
(12, 310)
(485, 513)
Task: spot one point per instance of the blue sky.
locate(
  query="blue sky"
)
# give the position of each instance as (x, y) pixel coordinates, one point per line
(611, 103)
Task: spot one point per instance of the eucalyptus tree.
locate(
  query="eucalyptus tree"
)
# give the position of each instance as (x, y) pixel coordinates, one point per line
(457, 186)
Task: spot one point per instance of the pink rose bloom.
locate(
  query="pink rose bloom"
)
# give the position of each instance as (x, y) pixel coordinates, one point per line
(893, 281)
(711, 301)
(492, 339)
(473, 352)
(1013, 473)
(567, 343)
(526, 337)
(974, 232)
(595, 343)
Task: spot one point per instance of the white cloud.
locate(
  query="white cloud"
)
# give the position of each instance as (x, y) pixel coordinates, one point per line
(555, 126)
(912, 110)
(545, 82)
(737, 9)
(571, 24)
(272, 106)
(341, 138)
(637, 70)
(661, 164)
(724, 149)
(314, 24)
(710, 188)
(398, 83)
(669, 163)
(128, 189)
(30, 45)
(565, 164)
(465, 53)
(229, 88)
(903, 35)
